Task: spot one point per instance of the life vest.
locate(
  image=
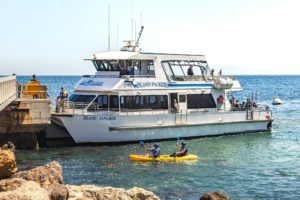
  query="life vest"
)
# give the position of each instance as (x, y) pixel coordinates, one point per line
(184, 151)
(65, 94)
(220, 99)
(156, 153)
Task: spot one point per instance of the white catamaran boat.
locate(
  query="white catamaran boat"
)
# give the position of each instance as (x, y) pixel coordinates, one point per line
(137, 96)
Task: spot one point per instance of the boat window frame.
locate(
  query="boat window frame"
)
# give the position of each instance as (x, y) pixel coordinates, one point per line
(143, 102)
(107, 65)
(81, 104)
(171, 64)
(96, 106)
(203, 101)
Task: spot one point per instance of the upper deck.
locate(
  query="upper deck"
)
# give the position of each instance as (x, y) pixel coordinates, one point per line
(125, 70)
(164, 67)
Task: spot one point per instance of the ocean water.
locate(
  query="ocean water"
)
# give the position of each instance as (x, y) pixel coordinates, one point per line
(248, 166)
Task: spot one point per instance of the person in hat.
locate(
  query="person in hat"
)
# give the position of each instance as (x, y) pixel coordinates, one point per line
(182, 151)
(154, 151)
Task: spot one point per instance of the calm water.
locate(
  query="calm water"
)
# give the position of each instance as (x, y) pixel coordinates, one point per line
(250, 166)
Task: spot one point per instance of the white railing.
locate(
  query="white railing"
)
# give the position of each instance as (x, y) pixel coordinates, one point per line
(8, 91)
(182, 117)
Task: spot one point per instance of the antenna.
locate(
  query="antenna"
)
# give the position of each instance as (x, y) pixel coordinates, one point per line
(118, 36)
(137, 41)
(141, 19)
(134, 29)
(131, 19)
(108, 38)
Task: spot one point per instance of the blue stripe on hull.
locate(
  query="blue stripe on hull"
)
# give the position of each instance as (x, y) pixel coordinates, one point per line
(190, 85)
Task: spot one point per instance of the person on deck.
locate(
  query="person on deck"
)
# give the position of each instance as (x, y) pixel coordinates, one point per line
(182, 151)
(175, 105)
(63, 93)
(33, 78)
(154, 151)
(63, 98)
(190, 71)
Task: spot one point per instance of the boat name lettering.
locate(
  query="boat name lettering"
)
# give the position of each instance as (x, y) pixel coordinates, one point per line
(107, 118)
(89, 118)
(151, 84)
(100, 118)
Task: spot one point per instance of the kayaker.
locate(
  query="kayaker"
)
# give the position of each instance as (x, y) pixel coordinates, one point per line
(182, 151)
(154, 151)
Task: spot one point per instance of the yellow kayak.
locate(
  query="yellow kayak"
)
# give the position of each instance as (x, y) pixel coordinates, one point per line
(163, 158)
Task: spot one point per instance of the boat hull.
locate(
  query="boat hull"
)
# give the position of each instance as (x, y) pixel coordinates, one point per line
(117, 128)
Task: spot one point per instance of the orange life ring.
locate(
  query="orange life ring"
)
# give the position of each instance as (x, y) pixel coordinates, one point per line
(220, 99)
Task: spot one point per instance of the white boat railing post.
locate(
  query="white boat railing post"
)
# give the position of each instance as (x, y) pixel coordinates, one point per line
(180, 116)
(186, 116)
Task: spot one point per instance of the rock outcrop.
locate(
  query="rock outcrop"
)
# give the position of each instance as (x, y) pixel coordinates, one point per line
(49, 177)
(45, 183)
(140, 193)
(91, 192)
(20, 189)
(46, 175)
(214, 196)
(8, 164)
(59, 192)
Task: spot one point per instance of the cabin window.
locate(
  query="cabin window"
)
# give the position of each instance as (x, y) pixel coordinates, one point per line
(195, 101)
(144, 102)
(114, 101)
(101, 101)
(103, 65)
(81, 101)
(150, 68)
(86, 99)
(144, 68)
(167, 69)
(178, 69)
(182, 98)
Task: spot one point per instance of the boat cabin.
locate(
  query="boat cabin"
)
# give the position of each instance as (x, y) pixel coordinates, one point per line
(135, 81)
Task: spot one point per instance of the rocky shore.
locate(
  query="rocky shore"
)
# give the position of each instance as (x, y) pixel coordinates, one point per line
(46, 183)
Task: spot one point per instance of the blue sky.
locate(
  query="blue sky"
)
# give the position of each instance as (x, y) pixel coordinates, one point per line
(239, 36)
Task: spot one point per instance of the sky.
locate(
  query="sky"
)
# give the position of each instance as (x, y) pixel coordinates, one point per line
(241, 37)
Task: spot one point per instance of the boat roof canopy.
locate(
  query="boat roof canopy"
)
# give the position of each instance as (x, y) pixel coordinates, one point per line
(127, 55)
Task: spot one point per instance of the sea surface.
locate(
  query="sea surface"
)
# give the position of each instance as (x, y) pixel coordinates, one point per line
(248, 166)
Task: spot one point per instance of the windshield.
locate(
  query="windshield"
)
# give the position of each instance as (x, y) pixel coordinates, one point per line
(103, 65)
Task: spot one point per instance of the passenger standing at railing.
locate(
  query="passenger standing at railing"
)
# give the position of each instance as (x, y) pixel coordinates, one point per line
(57, 108)
(63, 98)
(175, 105)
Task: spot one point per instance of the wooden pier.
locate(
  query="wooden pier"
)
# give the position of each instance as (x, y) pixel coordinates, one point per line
(24, 114)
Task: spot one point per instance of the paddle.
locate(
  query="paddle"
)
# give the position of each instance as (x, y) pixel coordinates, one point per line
(177, 145)
(142, 144)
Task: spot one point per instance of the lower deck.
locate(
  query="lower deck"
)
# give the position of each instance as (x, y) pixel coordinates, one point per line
(115, 127)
